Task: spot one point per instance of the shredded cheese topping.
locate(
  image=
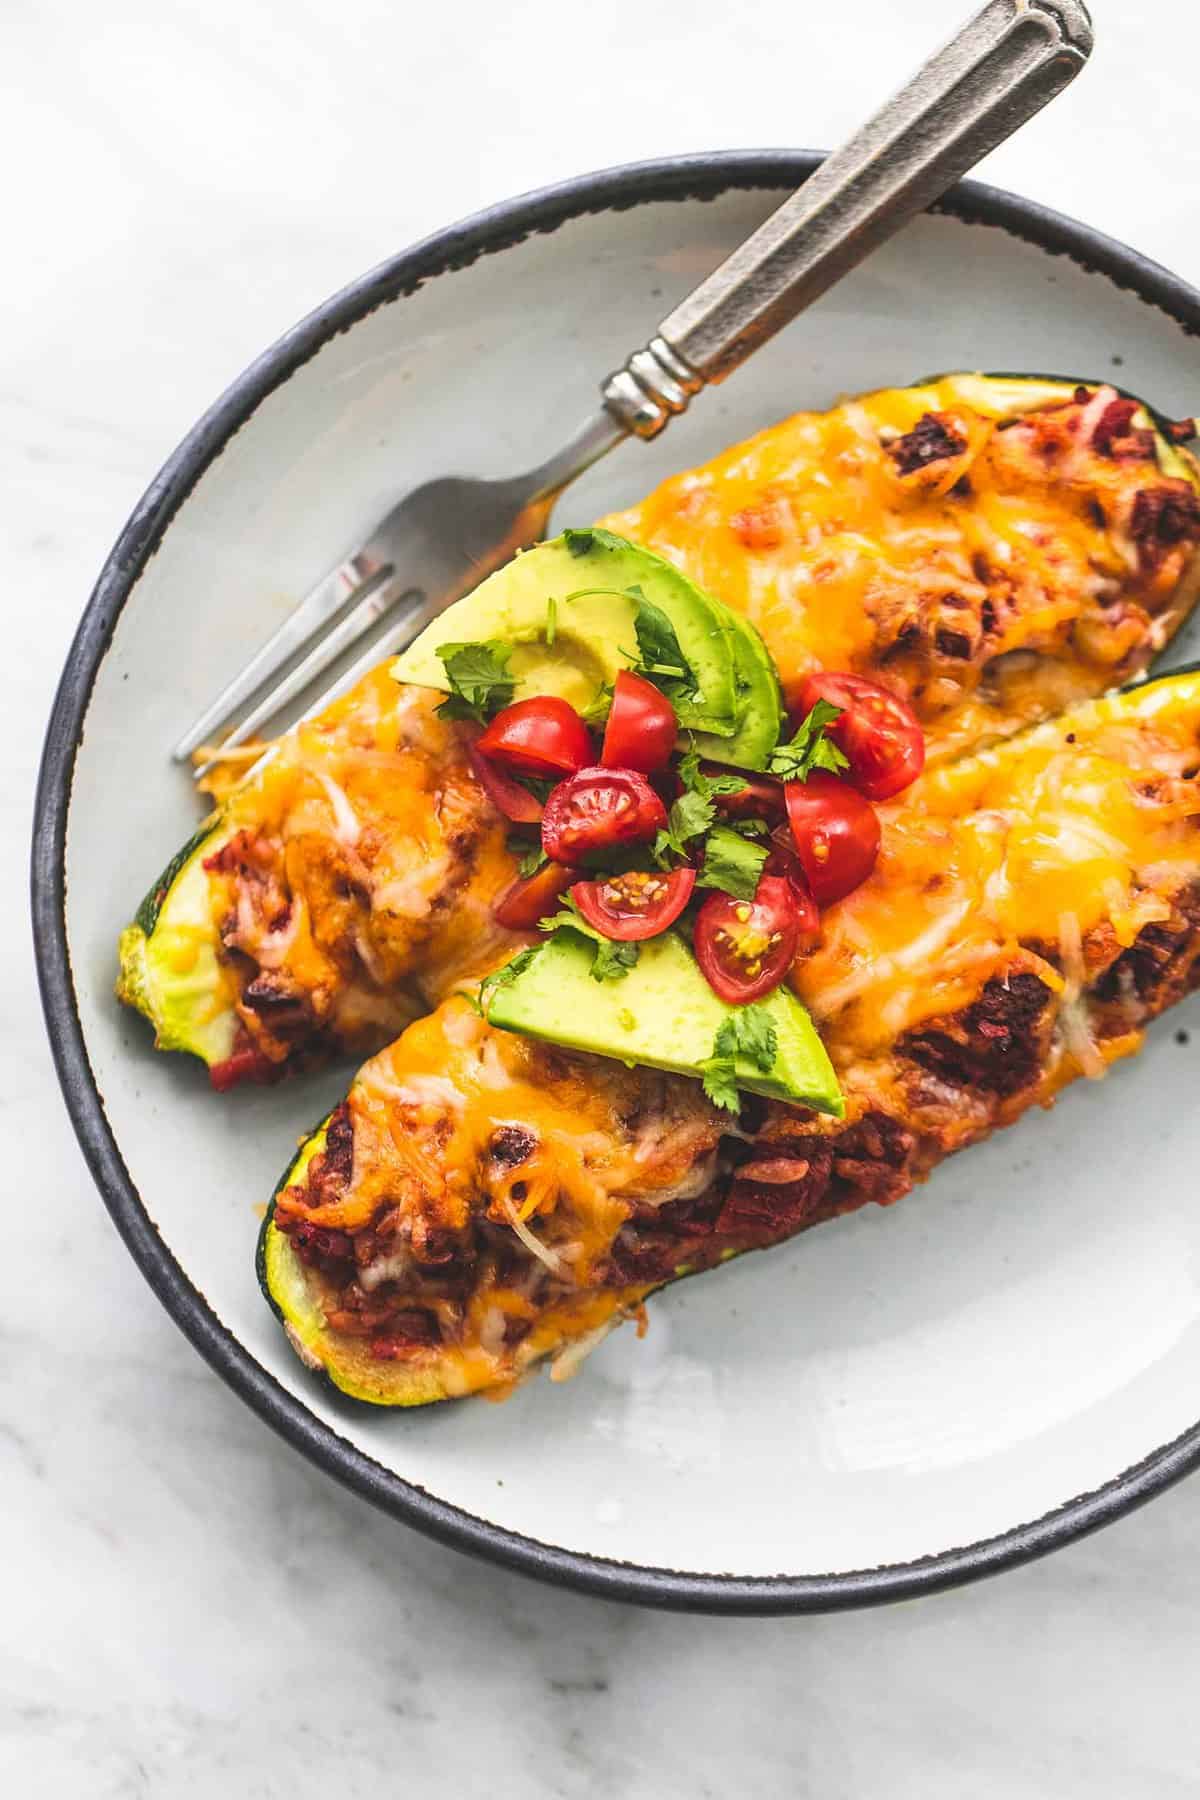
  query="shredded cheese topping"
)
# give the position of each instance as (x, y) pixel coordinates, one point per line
(999, 851)
(982, 585)
(992, 584)
(1034, 856)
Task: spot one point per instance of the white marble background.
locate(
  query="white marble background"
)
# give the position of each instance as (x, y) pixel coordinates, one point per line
(186, 1609)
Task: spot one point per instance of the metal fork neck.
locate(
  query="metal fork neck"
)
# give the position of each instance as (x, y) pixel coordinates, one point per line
(654, 385)
(1005, 64)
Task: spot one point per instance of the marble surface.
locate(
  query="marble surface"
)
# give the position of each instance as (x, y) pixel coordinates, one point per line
(186, 1607)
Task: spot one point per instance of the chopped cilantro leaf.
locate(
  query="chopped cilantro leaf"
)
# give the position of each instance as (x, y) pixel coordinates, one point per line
(480, 683)
(658, 656)
(690, 817)
(530, 857)
(810, 748)
(757, 1038)
(502, 977)
(719, 1075)
(610, 960)
(597, 709)
(693, 776)
(694, 811)
(568, 914)
(658, 647)
(551, 622)
(731, 863)
(748, 1033)
(580, 542)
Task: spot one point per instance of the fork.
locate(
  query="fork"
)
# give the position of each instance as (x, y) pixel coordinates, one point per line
(441, 539)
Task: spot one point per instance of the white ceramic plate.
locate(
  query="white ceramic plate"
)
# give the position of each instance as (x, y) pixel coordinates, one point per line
(898, 1400)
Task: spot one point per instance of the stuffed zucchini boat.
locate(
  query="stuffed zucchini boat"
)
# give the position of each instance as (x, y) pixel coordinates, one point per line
(485, 1198)
(992, 547)
(999, 546)
(294, 922)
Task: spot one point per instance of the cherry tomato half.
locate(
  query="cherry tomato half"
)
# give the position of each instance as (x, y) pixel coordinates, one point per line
(597, 809)
(543, 736)
(782, 860)
(745, 947)
(761, 798)
(642, 726)
(836, 834)
(246, 1063)
(532, 897)
(634, 906)
(506, 795)
(877, 730)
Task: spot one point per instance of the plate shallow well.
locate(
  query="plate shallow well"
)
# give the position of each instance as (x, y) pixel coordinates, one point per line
(891, 1403)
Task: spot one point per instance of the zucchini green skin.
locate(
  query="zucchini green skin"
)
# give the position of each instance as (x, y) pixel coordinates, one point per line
(1172, 458)
(345, 1364)
(146, 916)
(1037, 378)
(169, 969)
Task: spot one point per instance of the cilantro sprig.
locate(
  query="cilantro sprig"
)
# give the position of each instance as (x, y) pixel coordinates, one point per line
(732, 863)
(500, 978)
(694, 812)
(579, 543)
(659, 655)
(658, 643)
(611, 961)
(480, 681)
(749, 1034)
(530, 857)
(811, 748)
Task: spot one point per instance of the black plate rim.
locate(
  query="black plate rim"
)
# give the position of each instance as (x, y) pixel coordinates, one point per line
(698, 176)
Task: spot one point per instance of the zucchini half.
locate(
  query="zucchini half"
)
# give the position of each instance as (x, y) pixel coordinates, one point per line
(346, 1364)
(283, 1280)
(170, 969)
(1001, 383)
(169, 966)
(451, 1372)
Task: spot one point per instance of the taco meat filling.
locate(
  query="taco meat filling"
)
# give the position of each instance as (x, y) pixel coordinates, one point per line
(1034, 908)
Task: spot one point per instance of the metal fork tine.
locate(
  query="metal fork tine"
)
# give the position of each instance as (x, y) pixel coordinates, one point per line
(374, 604)
(389, 643)
(326, 599)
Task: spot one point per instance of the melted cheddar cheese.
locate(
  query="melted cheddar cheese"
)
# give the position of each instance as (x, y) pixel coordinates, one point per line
(994, 585)
(995, 550)
(1023, 874)
(1090, 821)
(358, 868)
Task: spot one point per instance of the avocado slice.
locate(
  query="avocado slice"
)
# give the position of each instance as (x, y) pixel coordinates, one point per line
(662, 1013)
(579, 646)
(168, 957)
(759, 702)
